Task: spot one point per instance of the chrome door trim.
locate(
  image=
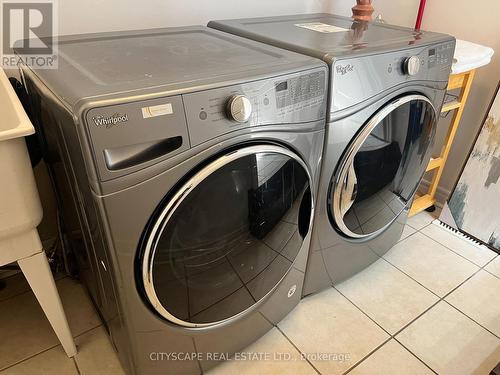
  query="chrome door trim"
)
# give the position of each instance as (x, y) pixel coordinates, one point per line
(172, 205)
(348, 159)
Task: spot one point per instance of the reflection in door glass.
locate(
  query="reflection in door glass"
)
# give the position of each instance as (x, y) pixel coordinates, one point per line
(232, 239)
(387, 168)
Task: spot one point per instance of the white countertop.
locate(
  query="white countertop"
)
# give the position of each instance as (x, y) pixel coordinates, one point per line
(470, 56)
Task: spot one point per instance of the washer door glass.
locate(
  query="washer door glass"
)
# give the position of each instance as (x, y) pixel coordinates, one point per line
(382, 168)
(228, 236)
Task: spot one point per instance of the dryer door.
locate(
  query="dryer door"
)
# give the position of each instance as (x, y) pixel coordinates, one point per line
(227, 237)
(382, 168)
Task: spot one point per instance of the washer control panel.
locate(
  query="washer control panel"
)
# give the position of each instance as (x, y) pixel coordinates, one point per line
(130, 136)
(293, 98)
(293, 91)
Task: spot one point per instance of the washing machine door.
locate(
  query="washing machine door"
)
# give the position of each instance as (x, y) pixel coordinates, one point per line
(227, 237)
(382, 167)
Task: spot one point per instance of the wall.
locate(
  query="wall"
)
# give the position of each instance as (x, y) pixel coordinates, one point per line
(106, 15)
(404, 14)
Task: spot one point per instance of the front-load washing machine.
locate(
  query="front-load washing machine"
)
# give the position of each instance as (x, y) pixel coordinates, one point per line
(387, 85)
(192, 159)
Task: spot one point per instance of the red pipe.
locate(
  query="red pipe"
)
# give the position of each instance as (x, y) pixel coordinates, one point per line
(420, 14)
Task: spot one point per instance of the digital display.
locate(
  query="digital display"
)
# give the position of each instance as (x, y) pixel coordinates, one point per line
(432, 52)
(282, 86)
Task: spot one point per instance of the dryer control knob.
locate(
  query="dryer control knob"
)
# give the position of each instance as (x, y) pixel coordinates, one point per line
(239, 108)
(411, 65)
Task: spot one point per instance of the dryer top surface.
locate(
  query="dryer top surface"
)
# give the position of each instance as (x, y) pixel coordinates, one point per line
(327, 36)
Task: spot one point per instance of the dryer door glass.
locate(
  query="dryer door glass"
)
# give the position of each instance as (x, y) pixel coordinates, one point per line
(227, 237)
(382, 168)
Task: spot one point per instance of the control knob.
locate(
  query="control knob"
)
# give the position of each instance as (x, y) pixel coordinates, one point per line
(239, 108)
(411, 65)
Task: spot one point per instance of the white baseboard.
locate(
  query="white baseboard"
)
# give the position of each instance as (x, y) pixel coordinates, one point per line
(442, 194)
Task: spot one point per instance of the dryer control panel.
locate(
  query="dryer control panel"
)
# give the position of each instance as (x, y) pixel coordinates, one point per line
(359, 78)
(289, 99)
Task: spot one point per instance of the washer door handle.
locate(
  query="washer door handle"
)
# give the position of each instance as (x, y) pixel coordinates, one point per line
(349, 190)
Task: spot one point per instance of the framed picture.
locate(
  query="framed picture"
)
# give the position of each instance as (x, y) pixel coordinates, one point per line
(475, 201)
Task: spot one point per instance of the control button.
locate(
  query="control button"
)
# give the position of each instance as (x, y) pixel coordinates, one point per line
(389, 69)
(203, 115)
(239, 108)
(266, 101)
(411, 65)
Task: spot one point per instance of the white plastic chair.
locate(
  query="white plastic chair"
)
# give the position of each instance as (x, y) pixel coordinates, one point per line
(21, 212)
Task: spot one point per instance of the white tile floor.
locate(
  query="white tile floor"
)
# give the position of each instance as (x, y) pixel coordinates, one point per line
(430, 305)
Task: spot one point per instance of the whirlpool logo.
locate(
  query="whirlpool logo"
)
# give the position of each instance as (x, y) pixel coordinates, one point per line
(110, 121)
(344, 69)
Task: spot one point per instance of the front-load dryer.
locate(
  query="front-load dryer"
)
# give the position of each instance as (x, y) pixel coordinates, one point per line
(192, 159)
(387, 85)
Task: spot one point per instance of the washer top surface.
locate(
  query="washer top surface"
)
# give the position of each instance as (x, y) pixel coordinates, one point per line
(108, 63)
(327, 36)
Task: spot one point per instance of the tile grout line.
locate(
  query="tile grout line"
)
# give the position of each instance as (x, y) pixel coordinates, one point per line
(391, 336)
(47, 349)
(453, 289)
(418, 230)
(492, 274)
(467, 316)
(403, 272)
(27, 290)
(76, 365)
(417, 357)
(362, 311)
(444, 296)
(487, 264)
(497, 255)
(296, 348)
(408, 236)
(28, 358)
(481, 268)
(415, 231)
(462, 312)
(453, 251)
(17, 273)
(429, 308)
(366, 356)
(289, 340)
(90, 329)
(425, 311)
(404, 327)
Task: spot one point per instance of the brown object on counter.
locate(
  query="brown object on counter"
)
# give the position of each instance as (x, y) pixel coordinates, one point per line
(362, 10)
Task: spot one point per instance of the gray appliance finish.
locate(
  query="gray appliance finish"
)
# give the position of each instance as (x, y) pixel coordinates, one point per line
(186, 161)
(386, 89)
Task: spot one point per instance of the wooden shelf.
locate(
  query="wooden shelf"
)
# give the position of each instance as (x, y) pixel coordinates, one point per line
(456, 81)
(463, 82)
(450, 106)
(434, 163)
(421, 203)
